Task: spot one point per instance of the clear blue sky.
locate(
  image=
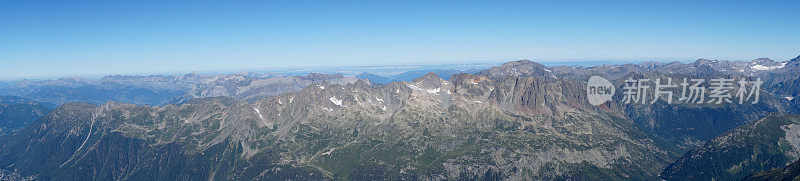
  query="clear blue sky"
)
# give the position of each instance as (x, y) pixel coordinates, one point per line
(42, 38)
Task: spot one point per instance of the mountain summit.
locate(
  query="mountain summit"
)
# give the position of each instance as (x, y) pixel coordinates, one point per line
(430, 80)
(517, 68)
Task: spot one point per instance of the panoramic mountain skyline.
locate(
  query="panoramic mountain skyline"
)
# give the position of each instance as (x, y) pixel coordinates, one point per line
(399, 90)
(519, 120)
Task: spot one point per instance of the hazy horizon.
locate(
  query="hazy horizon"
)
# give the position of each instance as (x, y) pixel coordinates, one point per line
(55, 39)
(378, 69)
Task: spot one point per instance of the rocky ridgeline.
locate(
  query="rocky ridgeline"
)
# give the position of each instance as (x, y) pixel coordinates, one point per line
(158, 90)
(520, 127)
(520, 121)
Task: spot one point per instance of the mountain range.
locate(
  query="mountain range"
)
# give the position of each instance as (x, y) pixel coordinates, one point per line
(520, 120)
(157, 90)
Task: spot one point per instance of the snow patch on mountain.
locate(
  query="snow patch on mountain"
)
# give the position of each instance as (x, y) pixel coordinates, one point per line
(412, 86)
(259, 113)
(336, 101)
(762, 67)
(434, 91)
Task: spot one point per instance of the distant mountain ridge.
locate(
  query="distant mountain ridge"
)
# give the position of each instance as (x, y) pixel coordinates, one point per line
(17, 112)
(164, 89)
(411, 75)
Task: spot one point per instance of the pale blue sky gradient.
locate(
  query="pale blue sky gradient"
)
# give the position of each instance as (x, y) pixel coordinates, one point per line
(59, 38)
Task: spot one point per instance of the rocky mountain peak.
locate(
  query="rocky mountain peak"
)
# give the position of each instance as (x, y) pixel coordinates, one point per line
(761, 64)
(762, 61)
(430, 80)
(703, 61)
(517, 68)
(361, 83)
(428, 77)
(523, 63)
